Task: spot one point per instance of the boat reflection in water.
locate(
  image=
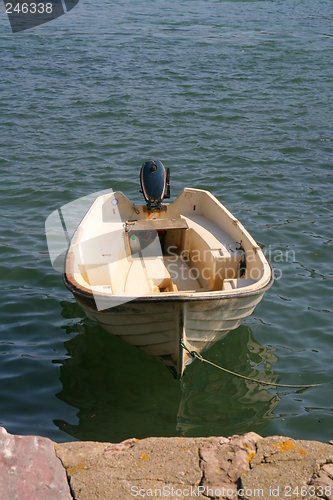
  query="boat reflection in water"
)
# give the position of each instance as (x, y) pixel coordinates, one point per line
(121, 392)
(223, 403)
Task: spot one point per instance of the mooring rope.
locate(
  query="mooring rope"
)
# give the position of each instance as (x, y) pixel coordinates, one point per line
(195, 354)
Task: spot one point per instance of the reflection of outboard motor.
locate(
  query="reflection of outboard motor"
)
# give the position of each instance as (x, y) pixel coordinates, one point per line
(155, 183)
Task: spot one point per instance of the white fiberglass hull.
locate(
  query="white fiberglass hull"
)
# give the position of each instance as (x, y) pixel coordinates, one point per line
(158, 328)
(188, 272)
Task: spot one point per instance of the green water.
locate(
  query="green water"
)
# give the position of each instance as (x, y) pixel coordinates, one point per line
(235, 97)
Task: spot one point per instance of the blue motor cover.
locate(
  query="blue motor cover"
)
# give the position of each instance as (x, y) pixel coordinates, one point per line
(153, 182)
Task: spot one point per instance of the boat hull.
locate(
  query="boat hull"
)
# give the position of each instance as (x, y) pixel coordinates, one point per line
(158, 328)
(188, 271)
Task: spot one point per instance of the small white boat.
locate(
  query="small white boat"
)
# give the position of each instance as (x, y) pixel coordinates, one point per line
(158, 274)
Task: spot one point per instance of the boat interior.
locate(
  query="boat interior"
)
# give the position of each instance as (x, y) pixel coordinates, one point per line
(190, 246)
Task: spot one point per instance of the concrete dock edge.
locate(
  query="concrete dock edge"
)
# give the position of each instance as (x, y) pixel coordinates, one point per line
(240, 467)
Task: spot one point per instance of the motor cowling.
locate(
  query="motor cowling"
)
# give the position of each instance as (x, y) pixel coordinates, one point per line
(155, 184)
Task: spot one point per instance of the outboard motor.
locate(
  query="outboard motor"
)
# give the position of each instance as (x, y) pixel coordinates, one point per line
(155, 183)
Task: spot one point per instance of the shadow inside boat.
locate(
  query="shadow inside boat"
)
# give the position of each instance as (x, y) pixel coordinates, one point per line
(120, 392)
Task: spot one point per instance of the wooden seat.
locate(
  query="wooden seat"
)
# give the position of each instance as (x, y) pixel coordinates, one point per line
(156, 224)
(213, 236)
(149, 275)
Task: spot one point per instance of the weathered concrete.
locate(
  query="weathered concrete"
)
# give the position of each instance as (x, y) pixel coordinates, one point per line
(240, 467)
(249, 467)
(118, 471)
(287, 465)
(29, 469)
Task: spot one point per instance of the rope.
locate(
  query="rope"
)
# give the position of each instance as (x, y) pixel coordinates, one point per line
(195, 354)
